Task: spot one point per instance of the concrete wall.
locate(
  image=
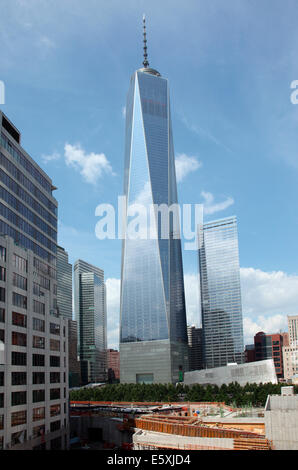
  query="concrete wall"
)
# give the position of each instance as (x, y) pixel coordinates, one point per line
(281, 421)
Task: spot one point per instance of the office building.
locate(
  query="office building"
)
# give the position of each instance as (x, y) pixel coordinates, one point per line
(153, 334)
(250, 353)
(290, 351)
(195, 345)
(64, 283)
(34, 368)
(271, 346)
(91, 318)
(113, 360)
(221, 307)
(64, 305)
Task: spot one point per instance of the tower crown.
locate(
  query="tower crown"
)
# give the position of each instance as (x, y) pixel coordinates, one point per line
(146, 68)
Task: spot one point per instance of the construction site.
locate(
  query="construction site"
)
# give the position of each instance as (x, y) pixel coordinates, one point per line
(156, 426)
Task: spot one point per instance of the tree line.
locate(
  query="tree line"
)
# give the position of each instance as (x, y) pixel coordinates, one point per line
(232, 394)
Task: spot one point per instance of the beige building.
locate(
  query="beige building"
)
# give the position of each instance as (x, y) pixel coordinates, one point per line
(290, 352)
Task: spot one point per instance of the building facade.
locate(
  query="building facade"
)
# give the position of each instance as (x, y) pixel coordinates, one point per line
(271, 346)
(195, 345)
(34, 369)
(90, 314)
(221, 307)
(64, 283)
(113, 359)
(290, 351)
(153, 335)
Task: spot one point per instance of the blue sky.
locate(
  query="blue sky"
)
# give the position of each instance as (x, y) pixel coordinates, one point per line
(66, 66)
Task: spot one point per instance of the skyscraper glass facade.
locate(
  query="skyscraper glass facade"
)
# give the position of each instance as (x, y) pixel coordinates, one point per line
(90, 312)
(64, 283)
(220, 293)
(152, 289)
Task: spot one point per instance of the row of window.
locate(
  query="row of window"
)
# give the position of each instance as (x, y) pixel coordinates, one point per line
(23, 225)
(38, 342)
(38, 360)
(20, 378)
(27, 213)
(27, 198)
(25, 242)
(19, 319)
(25, 162)
(20, 398)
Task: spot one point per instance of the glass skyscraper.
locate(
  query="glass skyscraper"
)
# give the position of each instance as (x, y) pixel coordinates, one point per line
(153, 334)
(220, 293)
(64, 283)
(90, 314)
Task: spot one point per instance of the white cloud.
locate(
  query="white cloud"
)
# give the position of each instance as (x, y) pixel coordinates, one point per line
(210, 207)
(91, 165)
(267, 299)
(185, 165)
(50, 158)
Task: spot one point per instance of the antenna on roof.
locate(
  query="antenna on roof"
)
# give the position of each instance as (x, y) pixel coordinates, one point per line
(145, 61)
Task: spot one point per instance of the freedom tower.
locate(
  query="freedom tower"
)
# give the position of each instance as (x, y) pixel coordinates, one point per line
(153, 332)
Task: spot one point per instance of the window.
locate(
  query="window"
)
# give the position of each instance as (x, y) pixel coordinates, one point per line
(38, 342)
(1, 400)
(18, 378)
(18, 339)
(54, 377)
(38, 413)
(2, 294)
(38, 395)
(18, 398)
(19, 263)
(38, 307)
(19, 281)
(18, 437)
(2, 253)
(1, 424)
(55, 410)
(54, 345)
(54, 329)
(2, 336)
(1, 379)
(20, 417)
(2, 274)
(38, 378)
(18, 359)
(2, 315)
(38, 431)
(54, 393)
(55, 425)
(38, 360)
(38, 325)
(18, 319)
(19, 300)
(54, 361)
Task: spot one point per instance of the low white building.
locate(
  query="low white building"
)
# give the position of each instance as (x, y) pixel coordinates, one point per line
(251, 372)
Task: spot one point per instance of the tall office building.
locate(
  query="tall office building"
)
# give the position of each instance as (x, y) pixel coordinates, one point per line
(90, 314)
(195, 345)
(153, 336)
(220, 293)
(34, 365)
(64, 283)
(271, 346)
(64, 305)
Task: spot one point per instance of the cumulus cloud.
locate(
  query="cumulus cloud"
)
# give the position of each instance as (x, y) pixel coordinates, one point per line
(210, 207)
(267, 299)
(51, 157)
(185, 165)
(92, 165)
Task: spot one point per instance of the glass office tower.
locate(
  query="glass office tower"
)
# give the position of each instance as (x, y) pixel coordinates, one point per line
(153, 334)
(220, 293)
(90, 314)
(64, 283)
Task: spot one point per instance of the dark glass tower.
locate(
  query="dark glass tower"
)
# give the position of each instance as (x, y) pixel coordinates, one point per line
(153, 333)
